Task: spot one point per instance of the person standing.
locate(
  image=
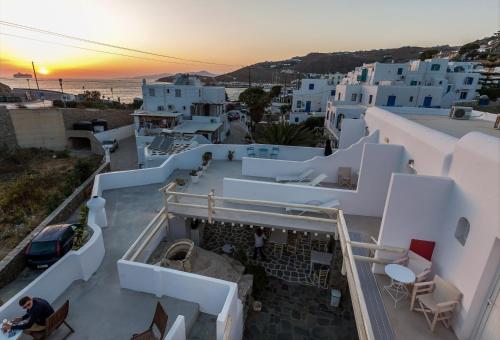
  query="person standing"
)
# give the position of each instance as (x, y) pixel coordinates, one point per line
(260, 239)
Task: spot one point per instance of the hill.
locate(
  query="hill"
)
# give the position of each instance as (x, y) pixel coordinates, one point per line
(342, 62)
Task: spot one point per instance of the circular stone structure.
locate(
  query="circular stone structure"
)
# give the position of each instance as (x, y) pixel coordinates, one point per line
(179, 255)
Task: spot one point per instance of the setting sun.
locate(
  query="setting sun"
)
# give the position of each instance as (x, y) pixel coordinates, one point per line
(43, 70)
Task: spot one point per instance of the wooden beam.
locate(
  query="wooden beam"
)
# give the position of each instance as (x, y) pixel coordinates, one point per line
(377, 247)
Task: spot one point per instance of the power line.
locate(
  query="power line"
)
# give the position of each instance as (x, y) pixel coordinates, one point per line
(38, 30)
(92, 50)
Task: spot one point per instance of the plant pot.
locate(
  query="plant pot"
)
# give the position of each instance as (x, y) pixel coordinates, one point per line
(195, 179)
(205, 167)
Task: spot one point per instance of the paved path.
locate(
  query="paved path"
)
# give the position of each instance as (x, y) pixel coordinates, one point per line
(237, 135)
(125, 157)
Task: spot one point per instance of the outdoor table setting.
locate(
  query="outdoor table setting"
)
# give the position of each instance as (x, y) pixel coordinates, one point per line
(13, 334)
(400, 277)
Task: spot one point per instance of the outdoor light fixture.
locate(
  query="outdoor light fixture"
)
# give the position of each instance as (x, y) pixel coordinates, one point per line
(315, 234)
(295, 231)
(251, 225)
(232, 224)
(327, 235)
(284, 230)
(305, 232)
(411, 164)
(241, 224)
(202, 221)
(272, 229)
(222, 223)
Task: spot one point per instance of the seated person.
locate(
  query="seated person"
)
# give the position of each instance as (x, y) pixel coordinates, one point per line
(37, 312)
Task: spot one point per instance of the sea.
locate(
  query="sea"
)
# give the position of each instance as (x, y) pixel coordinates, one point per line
(126, 89)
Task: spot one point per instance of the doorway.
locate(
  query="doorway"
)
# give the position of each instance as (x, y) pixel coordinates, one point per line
(490, 324)
(427, 101)
(391, 100)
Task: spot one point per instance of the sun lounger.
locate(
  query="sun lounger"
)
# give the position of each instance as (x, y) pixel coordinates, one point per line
(328, 204)
(315, 181)
(295, 178)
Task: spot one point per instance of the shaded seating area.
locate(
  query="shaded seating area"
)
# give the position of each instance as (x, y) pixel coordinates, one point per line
(158, 327)
(436, 299)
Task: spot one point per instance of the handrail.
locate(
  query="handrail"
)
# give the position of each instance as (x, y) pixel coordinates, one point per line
(376, 247)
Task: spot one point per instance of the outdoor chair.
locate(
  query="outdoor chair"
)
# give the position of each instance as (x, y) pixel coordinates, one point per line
(420, 266)
(315, 181)
(295, 178)
(291, 246)
(344, 178)
(437, 299)
(320, 277)
(160, 321)
(328, 204)
(54, 322)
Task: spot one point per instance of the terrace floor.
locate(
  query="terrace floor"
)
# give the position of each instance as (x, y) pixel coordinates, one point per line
(99, 308)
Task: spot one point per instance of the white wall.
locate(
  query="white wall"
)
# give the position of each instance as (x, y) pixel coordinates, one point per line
(430, 149)
(75, 265)
(178, 329)
(378, 163)
(350, 157)
(118, 133)
(214, 296)
(352, 131)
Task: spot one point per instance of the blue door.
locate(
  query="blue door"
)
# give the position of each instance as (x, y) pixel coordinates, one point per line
(427, 101)
(391, 101)
(308, 106)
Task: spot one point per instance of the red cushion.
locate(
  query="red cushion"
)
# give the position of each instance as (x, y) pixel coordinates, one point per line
(423, 248)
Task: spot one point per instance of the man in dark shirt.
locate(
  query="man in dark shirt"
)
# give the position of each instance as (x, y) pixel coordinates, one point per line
(37, 312)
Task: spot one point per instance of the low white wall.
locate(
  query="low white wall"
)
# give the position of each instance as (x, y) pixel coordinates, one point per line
(430, 148)
(350, 157)
(352, 131)
(75, 265)
(118, 133)
(214, 296)
(178, 329)
(379, 161)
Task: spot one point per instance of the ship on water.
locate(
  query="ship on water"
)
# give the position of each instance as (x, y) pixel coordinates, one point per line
(22, 75)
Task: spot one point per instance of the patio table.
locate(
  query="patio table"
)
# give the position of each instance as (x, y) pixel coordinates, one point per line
(5, 336)
(400, 276)
(320, 258)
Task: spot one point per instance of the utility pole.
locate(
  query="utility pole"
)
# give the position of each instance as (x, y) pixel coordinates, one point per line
(36, 79)
(62, 92)
(249, 78)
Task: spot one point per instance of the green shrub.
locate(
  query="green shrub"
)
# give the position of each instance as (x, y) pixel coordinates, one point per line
(53, 200)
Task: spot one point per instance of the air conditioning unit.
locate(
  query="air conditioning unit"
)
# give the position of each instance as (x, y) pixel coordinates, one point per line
(460, 112)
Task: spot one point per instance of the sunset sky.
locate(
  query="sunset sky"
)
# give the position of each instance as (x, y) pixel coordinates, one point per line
(225, 32)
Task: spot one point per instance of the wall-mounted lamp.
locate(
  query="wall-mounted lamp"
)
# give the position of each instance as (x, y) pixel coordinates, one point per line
(411, 164)
(386, 140)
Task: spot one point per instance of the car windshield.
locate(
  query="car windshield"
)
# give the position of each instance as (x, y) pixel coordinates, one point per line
(107, 142)
(42, 248)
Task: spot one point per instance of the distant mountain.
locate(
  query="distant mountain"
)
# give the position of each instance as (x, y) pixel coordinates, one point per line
(205, 76)
(342, 62)
(153, 76)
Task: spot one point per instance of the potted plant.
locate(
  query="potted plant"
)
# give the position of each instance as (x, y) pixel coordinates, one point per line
(206, 158)
(195, 178)
(204, 165)
(181, 182)
(230, 155)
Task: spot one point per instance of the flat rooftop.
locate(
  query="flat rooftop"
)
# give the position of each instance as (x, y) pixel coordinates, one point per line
(438, 119)
(193, 127)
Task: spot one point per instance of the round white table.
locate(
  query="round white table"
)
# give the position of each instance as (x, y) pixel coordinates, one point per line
(400, 276)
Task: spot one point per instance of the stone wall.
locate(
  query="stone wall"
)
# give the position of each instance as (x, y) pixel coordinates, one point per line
(115, 118)
(14, 262)
(7, 134)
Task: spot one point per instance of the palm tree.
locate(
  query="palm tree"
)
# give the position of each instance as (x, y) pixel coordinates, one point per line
(286, 134)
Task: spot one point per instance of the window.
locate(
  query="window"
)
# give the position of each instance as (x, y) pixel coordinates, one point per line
(411, 99)
(299, 104)
(463, 95)
(168, 90)
(184, 108)
(435, 67)
(311, 86)
(177, 92)
(332, 93)
(400, 70)
(440, 82)
(360, 97)
(151, 92)
(468, 81)
(161, 108)
(171, 107)
(462, 231)
(448, 88)
(413, 83)
(354, 96)
(370, 99)
(296, 119)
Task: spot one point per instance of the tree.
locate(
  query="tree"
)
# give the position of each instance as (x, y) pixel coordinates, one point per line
(286, 134)
(428, 54)
(467, 48)
(257, 100)
(92, 96)
(314, 122)
(275, 91)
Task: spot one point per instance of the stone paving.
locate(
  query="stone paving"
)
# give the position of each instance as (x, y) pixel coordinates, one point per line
(293, 265)
(296, 312)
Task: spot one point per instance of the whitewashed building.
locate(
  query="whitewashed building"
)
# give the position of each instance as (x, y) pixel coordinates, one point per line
(430, 83)
(183, 108)
(312, 96)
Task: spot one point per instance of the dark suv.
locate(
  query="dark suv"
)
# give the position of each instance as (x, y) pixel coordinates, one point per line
(50, 245)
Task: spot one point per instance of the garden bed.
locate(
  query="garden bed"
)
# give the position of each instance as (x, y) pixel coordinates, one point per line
(33, 182)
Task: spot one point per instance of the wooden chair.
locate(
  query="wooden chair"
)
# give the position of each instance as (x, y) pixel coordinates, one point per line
(437, 299)
(420, 266)
(53, 322)
(344, 176)
(160, 321)
(320, 277)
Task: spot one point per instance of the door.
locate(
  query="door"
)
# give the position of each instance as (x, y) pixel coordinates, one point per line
(490, 328)
(308, 106)
(427, 101)
(391, 101)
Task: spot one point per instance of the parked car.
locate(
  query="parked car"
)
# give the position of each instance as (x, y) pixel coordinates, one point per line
(112, 145)
(50, 245)
(233, 115)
